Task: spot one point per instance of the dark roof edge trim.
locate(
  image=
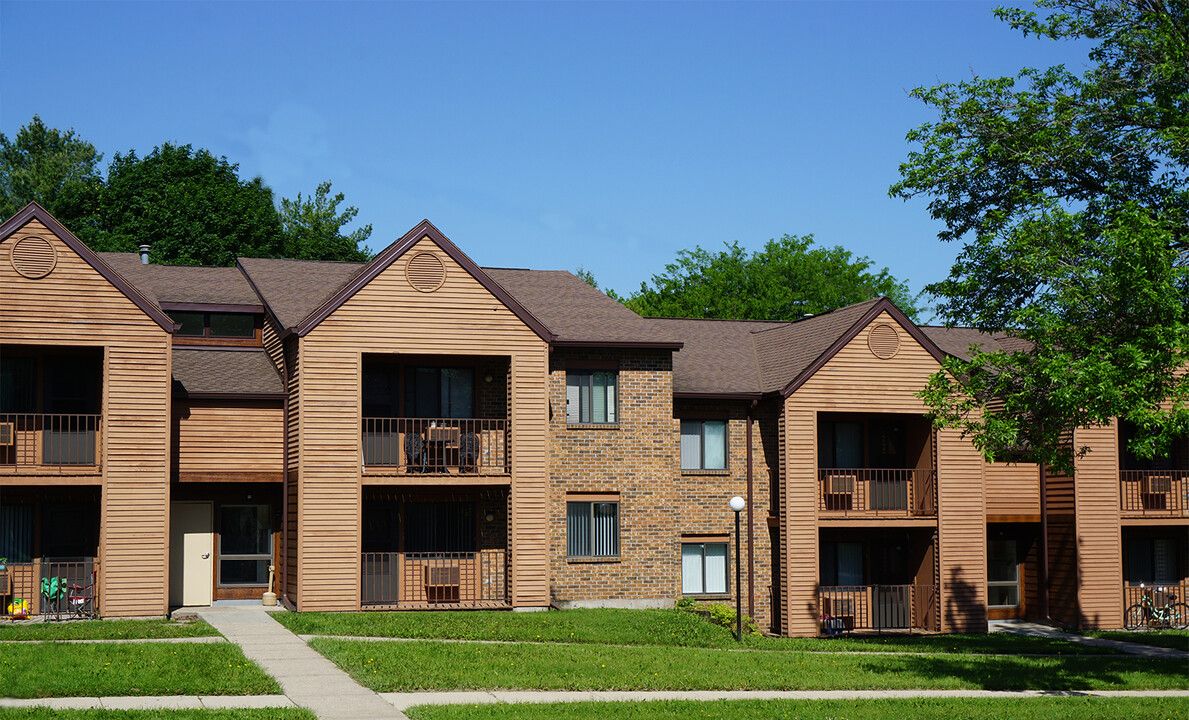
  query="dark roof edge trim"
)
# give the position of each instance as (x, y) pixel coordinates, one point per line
(641, 344)
(186, 395)
(33, 210)
(211, 307)
(389, 255)
(717, 396)
(883, 305)
(268, 311)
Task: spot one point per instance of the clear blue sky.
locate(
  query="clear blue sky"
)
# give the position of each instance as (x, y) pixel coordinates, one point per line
(547, 135)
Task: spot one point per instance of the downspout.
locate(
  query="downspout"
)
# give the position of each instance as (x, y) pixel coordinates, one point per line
(1044, 542)
(285, 486)
(751, 564)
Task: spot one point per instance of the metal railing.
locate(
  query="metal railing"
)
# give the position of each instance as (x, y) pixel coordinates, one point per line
(1158, 592)
(65, 442)
(878, 607)
(459, 579)
(51, 589)
(455, 446)
(882, 492)
(1154, 492)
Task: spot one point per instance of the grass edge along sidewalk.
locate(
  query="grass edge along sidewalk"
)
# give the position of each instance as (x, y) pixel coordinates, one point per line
(156, 629)
(669, 628)
(384, 667)
(1043, 708)
(37, 713)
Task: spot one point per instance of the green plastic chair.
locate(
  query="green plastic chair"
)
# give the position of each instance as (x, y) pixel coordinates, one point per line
(53, 589)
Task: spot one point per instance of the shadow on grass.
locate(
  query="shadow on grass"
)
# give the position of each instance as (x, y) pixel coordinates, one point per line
(1060, 674)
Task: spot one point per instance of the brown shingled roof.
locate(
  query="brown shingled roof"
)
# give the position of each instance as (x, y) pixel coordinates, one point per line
(718, 357)
(575, 311)
(184, 283)
(957, 341)
(225, 372)
(786, 351)
(293, 289)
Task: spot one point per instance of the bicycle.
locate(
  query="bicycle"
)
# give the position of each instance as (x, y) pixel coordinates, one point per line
(1172, 614)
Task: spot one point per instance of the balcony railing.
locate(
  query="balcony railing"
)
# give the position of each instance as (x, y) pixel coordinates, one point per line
(1158, 592)
(442, 580)
(441, 446)
(51, 589)
(66, 443)
(1154, 492)
(878, 607)
(877, 492)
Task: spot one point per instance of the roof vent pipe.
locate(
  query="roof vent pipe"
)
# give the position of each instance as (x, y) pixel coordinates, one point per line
(144, 254)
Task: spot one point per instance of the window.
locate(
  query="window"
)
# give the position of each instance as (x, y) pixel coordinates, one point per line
(245, 544)
(439, 392)
(592, 528)
(1003, 574)
(841, 563)
(703, 445)
(1152, 561)
(209, 324)
(591, 397)
(704, 568)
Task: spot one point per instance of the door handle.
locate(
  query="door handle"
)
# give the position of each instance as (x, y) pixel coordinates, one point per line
(206, 556)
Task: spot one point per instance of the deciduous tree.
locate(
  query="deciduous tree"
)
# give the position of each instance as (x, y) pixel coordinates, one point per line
(313, 228)
(1070, 194)
(56, 169)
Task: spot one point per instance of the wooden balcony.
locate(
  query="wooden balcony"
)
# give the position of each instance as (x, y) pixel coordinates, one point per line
(40, 443)
(877, 493)
(1154, 493)
(436, 446)
(435, 581)
(1157, 592)
(878, 608)
(51, 589)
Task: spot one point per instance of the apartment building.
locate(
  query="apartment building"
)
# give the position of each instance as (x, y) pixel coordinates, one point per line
(418, 432)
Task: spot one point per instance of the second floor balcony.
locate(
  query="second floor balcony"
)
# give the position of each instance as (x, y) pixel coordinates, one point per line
(44, 443)
(436, 446)
(877, 492)
(1154, 493)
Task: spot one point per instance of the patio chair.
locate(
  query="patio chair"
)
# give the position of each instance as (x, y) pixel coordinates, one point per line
(53, 590)
(468, 452)
(415, 452)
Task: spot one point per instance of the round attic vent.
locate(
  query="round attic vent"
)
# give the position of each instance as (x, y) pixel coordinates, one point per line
(33, 257)
(884, 342)
(425, 272)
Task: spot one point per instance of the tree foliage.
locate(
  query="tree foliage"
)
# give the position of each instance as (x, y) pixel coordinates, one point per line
(787, 280)
(1069, 193)
(189, 206)
(56, 169)
(313, 228)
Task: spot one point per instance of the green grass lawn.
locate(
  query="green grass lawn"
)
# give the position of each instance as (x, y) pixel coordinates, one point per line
(1175, 639)
(924, 709)
(106, 630)
(37, 670)
(422, 665)
(238, 714)
(642, 627)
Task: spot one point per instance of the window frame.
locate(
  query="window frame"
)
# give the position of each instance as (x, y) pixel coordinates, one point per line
(726, 445)
(268, 513)
(1010, 543)
(611, 409)
(208, 333)
(591, 501)
(702, 542)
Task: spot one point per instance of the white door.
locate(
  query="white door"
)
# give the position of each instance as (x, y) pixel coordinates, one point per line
(191, 553)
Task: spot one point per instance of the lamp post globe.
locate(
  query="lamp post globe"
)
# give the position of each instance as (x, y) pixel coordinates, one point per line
(738, 503)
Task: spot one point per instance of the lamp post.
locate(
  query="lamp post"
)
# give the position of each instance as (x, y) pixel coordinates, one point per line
(737, 504)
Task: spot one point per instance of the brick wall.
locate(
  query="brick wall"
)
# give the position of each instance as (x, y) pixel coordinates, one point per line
(639, 459)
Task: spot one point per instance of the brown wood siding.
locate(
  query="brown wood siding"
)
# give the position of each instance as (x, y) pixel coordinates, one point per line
(273, 345)
(1063, 570)
(1012, 489)
(135, 438)
(219, 437)
(1099, 552)
(389, 316)
(853, 381)
(962, 534)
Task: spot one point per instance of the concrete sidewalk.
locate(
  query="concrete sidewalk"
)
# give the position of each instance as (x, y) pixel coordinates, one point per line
(306, 677)
(1038, 630)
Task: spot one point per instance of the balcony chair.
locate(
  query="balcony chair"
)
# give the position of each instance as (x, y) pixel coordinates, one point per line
(415, 452)
(468, 452)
